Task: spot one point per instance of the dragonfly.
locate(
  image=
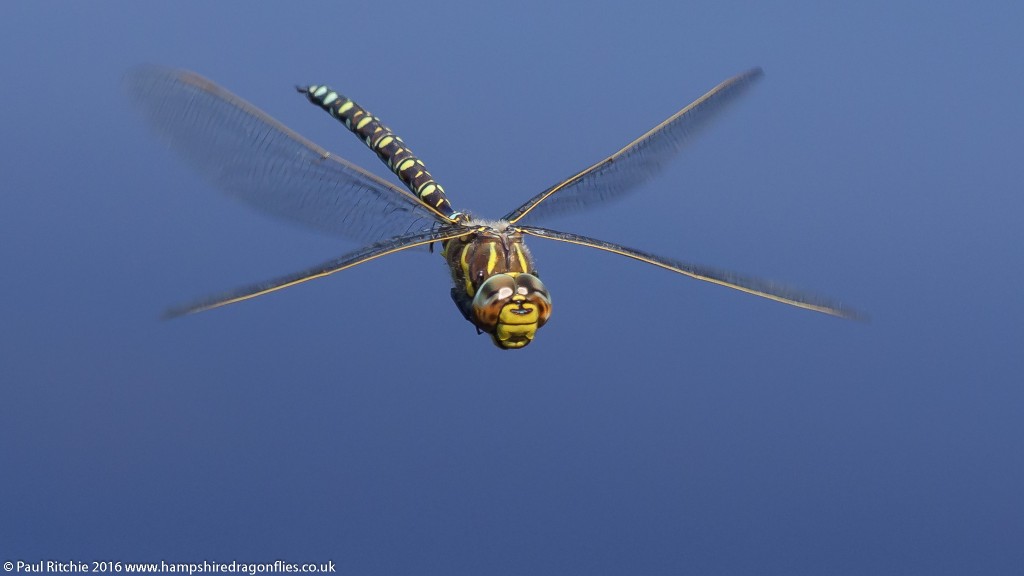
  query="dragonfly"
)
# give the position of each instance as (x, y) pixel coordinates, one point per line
(496, 286)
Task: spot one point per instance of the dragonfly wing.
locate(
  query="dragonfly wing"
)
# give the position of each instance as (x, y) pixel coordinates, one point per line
(638, 161)
(755, 286)
(255, 158)
(349, 260)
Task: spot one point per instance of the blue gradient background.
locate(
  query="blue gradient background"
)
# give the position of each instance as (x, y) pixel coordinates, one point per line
(657, 426)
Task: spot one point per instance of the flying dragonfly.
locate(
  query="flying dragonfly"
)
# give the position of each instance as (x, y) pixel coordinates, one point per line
(496, 286)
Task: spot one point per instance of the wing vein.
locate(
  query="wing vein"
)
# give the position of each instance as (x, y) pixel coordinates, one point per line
(750, 285)
(638, 161)
(255, 158)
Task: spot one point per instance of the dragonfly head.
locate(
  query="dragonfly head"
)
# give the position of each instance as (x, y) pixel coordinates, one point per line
(511, 307)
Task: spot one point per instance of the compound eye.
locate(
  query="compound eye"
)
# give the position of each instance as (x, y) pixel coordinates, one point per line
(528, 284)
(532, 289)
(491, 297)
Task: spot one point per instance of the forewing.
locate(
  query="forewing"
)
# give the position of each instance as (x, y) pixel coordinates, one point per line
(638, 161)
(355, 258)
(755, 286)
(255, 158)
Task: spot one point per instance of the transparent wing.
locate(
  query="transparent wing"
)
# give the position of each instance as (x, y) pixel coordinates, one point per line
(638, 161)
(755, 286)
(255, 158)
(349, 260)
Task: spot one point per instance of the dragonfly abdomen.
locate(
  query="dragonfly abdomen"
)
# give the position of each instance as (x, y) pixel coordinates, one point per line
(389, 147)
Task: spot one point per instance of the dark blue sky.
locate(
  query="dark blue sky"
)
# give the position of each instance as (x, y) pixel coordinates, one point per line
(657, 425)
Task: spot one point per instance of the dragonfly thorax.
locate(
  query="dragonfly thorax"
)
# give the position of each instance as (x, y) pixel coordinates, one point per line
(495, 283)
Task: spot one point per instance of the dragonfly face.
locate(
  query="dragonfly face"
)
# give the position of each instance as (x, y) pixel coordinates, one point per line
(511, 307)
(496, 286)
(257, 159)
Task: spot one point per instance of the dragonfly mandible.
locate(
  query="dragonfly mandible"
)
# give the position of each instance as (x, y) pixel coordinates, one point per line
(496, 286)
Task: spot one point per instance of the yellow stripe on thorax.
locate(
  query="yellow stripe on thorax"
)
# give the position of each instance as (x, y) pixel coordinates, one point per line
(464, 263)
(492, 257)
(521, 257)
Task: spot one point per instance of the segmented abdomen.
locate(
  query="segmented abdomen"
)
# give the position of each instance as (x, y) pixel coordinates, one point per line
(388, 147)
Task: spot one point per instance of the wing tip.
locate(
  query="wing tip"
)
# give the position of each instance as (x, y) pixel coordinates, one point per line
(747, 76)
(853, 314)
(831, 308)
(175, 312)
